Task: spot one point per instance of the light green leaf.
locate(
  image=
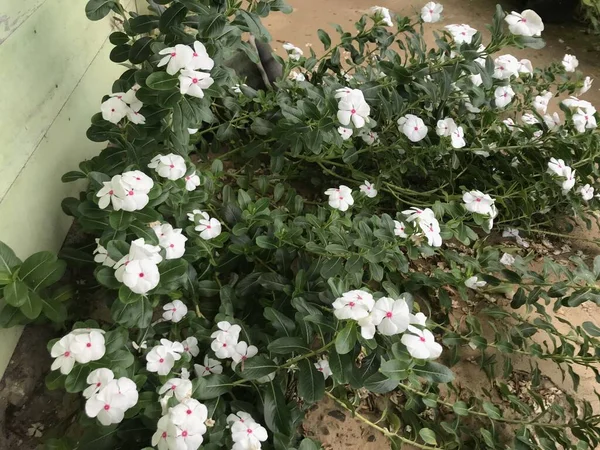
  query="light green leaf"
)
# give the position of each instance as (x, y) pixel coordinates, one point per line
(434, 372)
(16, 293)
(345, 339)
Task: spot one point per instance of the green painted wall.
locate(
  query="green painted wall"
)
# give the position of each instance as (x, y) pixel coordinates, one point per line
(54, 71)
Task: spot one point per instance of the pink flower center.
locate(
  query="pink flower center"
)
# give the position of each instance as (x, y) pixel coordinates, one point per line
(352, 304)
(416, 128)
(194, 80)
(130, 192)
(195, 54)
(388, 314)
(189, 411)
(353, 111)
(224, 345)
(106, 407)
(141, 274)
(187, 349)
(184, 433)
(244, 358)
(111, 192)
(431, 11)
(477, 199)
(172, 166)
(173, 387)
(88, 345)
(187, 178)
(161, 360)
(422, 339)
(98, 384)
(208, 227)
(173, 54)
(66, 354)
(112, 110)
(320, 369)
(501, 67)
(174, 309)
(164, 435)
(249, 431)
(172, 245)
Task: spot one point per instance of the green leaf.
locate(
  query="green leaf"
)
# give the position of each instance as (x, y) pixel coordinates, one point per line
(161, 81)
(32, 307)
(98, 9)
(282, 323)
(276, 412)
(345, 339)
(492, 411)
(11, 316)
(120, 359)
(428, 436)
(434, 372)
(255, 26)
(261, 126)
(72, 176)
(16, 293)
(172, 270)
(55, 380)
(378, 383)
(143, 231)
(395, 369)
(118, 37)
(54, 309)
(106, 277)
(288, 345)
(141, 50)
(211, 386)
(131, 315)
(115, 339)
(120, 220)
(591, 329)
(172, 17)
(324, 38)
(211, 25)
(460, 408)
(8, 259)
(41, 270)
(273, 281)
(208, 288)
(311, 383)
(309, 444)
(76, 379)
(126, 296)
(256, 367)
(143, 23)
(120, 53)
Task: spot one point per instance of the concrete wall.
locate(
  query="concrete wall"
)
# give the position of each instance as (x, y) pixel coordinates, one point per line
(54, 69)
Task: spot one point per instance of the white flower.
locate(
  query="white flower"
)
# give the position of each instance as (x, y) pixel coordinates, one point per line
(353, 305)
(225, 339)
(381, 14)
(418, 319)
(510, 124)
(208, 227)
(478, 202)
(540, 103)
(137, 180)
(114, 109)
(420, 215)
(323, 366)
(139, 347)
(569, 181)
(135, 117)
(88, 346)
(368, 189)
(558, 167)
(160, 360)
(462, 34)
(173, 347)
(505, 66)
(101, 255)
(491, 216)
(293, 52)
(476, 79)
(413, 127)
(525, 67)
(570, 62)
(170, 166)
(529, 119)
(552, 121)
(391, 316)
(583, 120)
(193, 130)
(138, 250)
(345, 133)
(175, 311)
(182, 389)
(243, 351)
(507, 259)
(192, 181)
(241, 417)
(159, 439)
(342, 93)
(574, 104)
(250, 433)
(474, 283)
(192, 82)
(399, 229)
(445, 127)
(171, 240)
(297, 76)
(109, 405)
(189, 409)
(190, 345)
(431, 12)
(111, 191)
(431, 228)
(528, 23)
(186, 435)
(141, 276)
(340, 198)
(177, 58)
(503, 95)
(98, 379)
(458, 138)
(209, 367)
(64, 357)
(421, 344)
(369, 137)
(200, 59)
(587, 84)
(586, 192)
(353, 108)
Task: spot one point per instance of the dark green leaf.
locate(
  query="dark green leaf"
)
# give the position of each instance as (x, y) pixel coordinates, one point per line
(288, 345)
(8, 259)
(143, 23)
(120, 53)
(172, 270)
(591, 329)
(32, 307)
(311, 383)
(211, 386)
(141, 50)
(276, 412)
(76, 379)
(132, 315)
(16, 293)
(41, 270)
(324, 38)
(256, 367)
(126, 296)
(280, 321)
(161, 81)
(434, 372)
(172, 17)
(54, 310)
(98, 9)
(309, 444)
(395, 369)
(345, 339)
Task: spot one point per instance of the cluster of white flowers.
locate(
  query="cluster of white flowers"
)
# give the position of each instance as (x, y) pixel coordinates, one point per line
(352, 110)
(182, 427)
(381, 14)
(448, 128)
(208, 227)
(340, 197)
(246, 433)
(128, 191)
(109, 398)
(173, 167)
(189, 61)
(171, 240)
(431, 12)
(388, 317)
(565, 173)
(583, 114)
(123, 104)
(138, 270)
(161, 358)
(413, 127)
(426, 221)
(480, 203)
(81, 345)
(226, 344)
(294, 53)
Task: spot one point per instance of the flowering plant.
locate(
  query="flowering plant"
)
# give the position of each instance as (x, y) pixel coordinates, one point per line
(261, 249)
